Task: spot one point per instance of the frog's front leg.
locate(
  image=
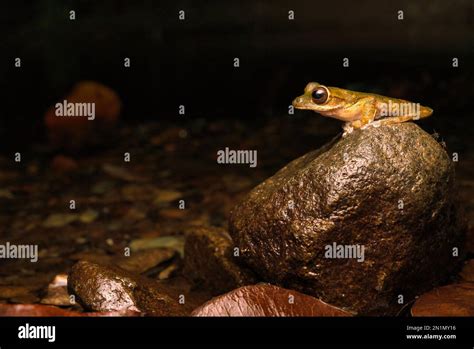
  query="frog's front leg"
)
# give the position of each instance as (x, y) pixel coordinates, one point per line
(367, 114)
(347, 129)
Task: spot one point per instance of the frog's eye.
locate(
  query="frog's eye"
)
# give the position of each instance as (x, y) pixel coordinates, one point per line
(320, 95)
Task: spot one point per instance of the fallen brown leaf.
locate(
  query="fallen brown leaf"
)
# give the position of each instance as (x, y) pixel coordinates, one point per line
(122, 173)
(7, 292)
(63, 164)
(467, 273)
(267, 300)
(141, 261)
(451, 300)
(173, 213)
(38, 310)
(57, 293)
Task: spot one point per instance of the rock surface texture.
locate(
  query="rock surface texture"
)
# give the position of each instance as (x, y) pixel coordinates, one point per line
(107, 288)
(209, 262)
(388, 190)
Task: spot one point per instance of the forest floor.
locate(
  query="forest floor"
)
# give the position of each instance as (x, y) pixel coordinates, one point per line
(171, 183)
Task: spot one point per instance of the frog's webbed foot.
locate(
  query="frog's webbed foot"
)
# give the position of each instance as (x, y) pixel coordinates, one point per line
(347, 129)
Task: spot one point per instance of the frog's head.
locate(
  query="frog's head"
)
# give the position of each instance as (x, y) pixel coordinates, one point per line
(320, 98)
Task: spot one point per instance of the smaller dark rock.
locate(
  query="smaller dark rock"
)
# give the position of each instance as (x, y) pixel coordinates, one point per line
(209, 261)
(266, 300)
(100, 288)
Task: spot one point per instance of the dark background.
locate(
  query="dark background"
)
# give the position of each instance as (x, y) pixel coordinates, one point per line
(191, 62)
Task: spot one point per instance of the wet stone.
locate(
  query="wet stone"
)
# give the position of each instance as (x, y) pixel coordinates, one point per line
(103, 289)
(209, 261)
(387, 191)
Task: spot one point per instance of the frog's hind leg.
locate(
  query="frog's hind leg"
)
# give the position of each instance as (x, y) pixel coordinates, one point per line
(367, 117)
(390, 121)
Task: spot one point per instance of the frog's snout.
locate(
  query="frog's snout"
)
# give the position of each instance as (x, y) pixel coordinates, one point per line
(298, 102)
(301, 102)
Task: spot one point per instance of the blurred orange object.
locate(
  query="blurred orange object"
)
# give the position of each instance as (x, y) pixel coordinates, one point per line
(61, 163)
(77, 131)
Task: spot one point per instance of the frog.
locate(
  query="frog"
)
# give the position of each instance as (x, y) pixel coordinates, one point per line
(359, 110)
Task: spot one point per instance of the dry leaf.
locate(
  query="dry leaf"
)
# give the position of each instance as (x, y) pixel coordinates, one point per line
(141, 261)
(467, 273)
(122, 173)
(267, 300)
(39, 310)
(175, 242)
(57, 293)
(451, 300)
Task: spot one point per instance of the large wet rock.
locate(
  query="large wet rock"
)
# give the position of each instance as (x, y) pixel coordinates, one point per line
(209, 261)
(387, 191)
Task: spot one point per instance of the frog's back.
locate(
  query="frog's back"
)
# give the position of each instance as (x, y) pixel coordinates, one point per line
(402, 107)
